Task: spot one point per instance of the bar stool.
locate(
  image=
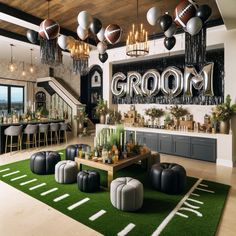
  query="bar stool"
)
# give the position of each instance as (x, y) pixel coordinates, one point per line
(54, 128)
(63, 128)
(13, 131)
(31, 130)
(43, 129)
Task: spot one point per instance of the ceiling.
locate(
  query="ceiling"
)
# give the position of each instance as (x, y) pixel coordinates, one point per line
(120, 12)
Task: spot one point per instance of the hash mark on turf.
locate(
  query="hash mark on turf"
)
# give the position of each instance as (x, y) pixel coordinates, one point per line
(37, 186)
(78, 204)
(97, 215)
(12, 173)
(61, 197)
(126, 230)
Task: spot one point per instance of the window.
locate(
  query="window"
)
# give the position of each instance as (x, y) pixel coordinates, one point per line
(11, 99)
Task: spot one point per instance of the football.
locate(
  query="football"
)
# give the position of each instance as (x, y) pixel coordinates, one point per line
(113, 33)
(49, 29)
(185, 10)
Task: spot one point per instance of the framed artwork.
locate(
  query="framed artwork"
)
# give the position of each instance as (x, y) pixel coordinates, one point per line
(96, 80)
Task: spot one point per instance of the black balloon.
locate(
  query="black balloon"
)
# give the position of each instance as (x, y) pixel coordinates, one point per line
(103, 57)
(165, 22)
(96, 25)
(32, 36)
(169, 42)
(203, 12)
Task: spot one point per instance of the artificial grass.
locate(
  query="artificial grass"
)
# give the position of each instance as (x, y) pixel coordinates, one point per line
(156, 205)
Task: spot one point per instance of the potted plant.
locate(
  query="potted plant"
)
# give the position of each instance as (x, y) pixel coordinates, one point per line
(177, 112)
(115, 116)
(101, 110)
(154, 113)
(224, 112)
(81, 118)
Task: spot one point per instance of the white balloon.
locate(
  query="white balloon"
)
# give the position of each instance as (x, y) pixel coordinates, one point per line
(194, 25)
(152, 16)
(102, 47)
(82, 33)
(100, 34)
(84, 19)
(62, 41)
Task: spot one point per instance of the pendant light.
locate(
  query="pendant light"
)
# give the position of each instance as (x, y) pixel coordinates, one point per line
(31, 61)
(12, 66)
(23, 69)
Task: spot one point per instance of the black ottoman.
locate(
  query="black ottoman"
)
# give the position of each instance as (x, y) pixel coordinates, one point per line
(168, 178)
(88, 181)
(73, 150)
(44, 162)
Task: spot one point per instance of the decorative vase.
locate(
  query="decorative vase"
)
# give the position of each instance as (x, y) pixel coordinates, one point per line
(224, 127)
(102, 119)
(81, 125)
(177, 122)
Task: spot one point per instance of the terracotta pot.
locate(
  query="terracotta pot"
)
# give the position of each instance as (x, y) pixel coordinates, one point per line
(224, 127)
(102, 119)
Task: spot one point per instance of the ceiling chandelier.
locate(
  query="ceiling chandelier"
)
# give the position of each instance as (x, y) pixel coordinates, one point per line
(137, 40)
(80, 54)
(12, 65)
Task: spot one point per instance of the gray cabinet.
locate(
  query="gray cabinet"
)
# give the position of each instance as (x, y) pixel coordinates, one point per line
(181, 145)
(203, 149)
(165, 143)
(148, 139)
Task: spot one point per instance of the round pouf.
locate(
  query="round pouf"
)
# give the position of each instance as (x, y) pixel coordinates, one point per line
(88, 181)
(73, 150)
(126, 194)
(66, 172)
(42, 163)
(168, 178)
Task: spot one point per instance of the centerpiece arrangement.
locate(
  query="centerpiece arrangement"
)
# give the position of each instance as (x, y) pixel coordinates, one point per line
(154, 113)
(101, 110)
(81, 118)
(177, 112)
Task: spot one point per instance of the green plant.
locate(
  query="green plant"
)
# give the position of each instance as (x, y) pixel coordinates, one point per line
(154, 112)
(225, 111)
(82, 116)
(168, 120)
(178, 111)
(101, 107)
(115, 116)
(43, 111)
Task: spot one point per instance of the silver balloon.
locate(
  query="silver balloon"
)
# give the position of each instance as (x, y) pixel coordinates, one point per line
(84, 19)
(101, 47)
(178, 82)
(194, 25)
(118, 88)
(100, 35)
(156, 85)
(170, 31)
(133, 83)
(152, 16)
(82, 33)
(198, 80)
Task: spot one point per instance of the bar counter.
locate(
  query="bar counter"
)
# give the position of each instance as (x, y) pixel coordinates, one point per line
(3, 126)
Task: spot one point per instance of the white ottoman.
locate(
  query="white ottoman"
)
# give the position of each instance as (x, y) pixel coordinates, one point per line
(66, 172)
(126, 194)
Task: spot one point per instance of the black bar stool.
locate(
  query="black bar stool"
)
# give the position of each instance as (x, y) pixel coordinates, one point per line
(63, 128)
(43, 129)
(13, 131)
(31, 130)
(54, 128)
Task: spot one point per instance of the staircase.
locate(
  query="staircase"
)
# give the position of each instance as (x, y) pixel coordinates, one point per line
(63, 101)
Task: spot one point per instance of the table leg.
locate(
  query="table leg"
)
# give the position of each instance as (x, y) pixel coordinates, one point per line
(110, 178)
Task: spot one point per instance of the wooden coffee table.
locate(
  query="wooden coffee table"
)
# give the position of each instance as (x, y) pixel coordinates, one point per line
(112, 168)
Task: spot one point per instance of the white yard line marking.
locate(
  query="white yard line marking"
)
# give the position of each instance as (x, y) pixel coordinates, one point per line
(189, 209)
(126, 230)
(78, 204)
(19, 177)
(97, 215)
(61, 197)
(203, 185)
(28, 182)
(37, 186)
(4, 170)
(190, 205)
(61, 153)
(172, 214)
(49, 191)
(180, 214)
(205, 190)
(12, 173)
(195, 194)
(193, 200)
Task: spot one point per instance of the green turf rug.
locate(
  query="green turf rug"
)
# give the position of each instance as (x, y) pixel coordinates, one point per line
(197, 213)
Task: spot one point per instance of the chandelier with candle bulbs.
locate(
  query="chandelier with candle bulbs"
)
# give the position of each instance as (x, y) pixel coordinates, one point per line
(137, 40)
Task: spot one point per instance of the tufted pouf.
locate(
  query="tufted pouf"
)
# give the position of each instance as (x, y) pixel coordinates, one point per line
(73, 150)
(88, 181)
(66, 172)
(44, 162)
(126, 194)
(168, 178)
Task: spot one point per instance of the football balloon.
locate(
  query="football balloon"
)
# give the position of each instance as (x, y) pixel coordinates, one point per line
(49, 29)
(113, 33)
(184, 11)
